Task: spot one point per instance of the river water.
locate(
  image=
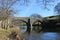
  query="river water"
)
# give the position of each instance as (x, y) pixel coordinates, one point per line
(42, 35)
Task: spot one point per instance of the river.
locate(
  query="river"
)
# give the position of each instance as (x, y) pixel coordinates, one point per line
(42, 35)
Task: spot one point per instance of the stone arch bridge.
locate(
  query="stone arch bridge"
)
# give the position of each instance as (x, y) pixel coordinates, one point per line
(25, 19)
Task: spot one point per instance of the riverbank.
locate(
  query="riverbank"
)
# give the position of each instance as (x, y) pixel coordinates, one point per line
(10, 34)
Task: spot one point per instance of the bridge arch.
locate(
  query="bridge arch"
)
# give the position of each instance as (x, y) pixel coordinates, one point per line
(19, 20)
(37, 21)
(37, 25)
(20, 23)
(23, 21)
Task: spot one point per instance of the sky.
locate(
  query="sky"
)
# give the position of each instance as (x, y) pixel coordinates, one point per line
(26, 11)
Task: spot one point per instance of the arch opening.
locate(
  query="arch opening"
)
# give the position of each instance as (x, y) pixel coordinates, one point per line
(21, 24)
(37, 26)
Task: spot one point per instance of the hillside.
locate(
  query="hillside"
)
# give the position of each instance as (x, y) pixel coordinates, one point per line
(53, 17)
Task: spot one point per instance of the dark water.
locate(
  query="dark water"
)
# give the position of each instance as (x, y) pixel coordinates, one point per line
(44, 36)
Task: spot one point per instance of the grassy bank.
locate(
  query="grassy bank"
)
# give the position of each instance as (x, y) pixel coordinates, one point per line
(10, 32)
(4, 34)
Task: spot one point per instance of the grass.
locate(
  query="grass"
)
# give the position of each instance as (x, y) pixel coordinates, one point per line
(4, 34)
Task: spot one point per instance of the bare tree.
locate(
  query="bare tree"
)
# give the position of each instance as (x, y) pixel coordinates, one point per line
(57, 8)
(6, 10)
(46, 3)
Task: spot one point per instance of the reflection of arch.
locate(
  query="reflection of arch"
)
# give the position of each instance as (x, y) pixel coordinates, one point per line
(37, 25)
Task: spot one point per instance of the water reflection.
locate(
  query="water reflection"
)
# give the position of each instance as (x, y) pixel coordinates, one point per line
(45, 36)
(50, 36)
(42, 36)
(24, 28)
